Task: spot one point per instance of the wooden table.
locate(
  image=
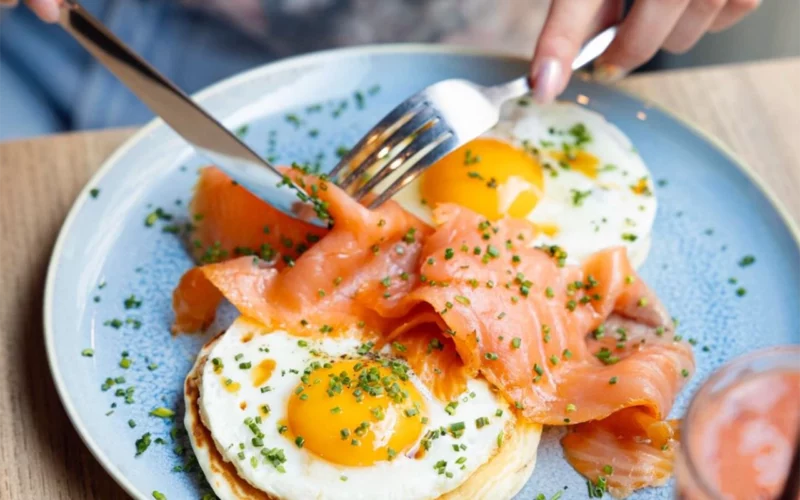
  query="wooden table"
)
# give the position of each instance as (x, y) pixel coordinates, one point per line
(753, 108)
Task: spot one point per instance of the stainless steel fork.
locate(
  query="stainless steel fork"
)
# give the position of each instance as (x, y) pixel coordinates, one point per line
(429, 125)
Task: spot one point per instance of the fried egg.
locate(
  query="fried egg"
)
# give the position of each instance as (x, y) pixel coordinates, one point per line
(565, 168)
(330, 417)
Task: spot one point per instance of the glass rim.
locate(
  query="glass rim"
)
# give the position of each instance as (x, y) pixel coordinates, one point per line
(699, 479)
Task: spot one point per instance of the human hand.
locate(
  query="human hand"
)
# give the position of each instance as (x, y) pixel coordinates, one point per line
(674, 25)
(47, 10)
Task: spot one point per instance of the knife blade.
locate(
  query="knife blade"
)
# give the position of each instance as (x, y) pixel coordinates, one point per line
(209, 137)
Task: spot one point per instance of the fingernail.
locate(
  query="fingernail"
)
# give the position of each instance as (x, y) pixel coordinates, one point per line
(607, 73)
(547, 80)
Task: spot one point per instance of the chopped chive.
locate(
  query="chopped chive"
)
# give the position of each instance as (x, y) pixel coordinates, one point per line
(162, 412)
(747, 260)
(142, 443)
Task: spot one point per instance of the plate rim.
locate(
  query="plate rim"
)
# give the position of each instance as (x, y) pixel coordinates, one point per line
(277, 66)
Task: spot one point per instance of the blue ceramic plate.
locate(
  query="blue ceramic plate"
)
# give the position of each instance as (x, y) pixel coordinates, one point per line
(112, 272)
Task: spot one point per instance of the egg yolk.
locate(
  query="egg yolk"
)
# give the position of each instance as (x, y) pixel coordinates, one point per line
(489, 176)
(357, 413)
(262, 372)
(231, 386)
(548, 228)
(579, 161)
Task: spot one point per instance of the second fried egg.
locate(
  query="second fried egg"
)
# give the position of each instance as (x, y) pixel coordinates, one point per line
(573, 174)
(307, 417)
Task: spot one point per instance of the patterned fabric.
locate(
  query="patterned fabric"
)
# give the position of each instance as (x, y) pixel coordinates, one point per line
(50, 84)
(292, 26)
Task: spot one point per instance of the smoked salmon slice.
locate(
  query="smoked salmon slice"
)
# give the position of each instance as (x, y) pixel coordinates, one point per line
(358, 272)
(524, 320)
(624, 452)
(589, 345)
(228, 221)
(430, 354)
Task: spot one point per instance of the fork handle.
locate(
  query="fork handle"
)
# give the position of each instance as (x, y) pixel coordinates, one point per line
(514, 89)
(521, 86)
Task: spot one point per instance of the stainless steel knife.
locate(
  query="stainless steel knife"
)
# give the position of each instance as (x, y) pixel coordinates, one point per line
(180, 112)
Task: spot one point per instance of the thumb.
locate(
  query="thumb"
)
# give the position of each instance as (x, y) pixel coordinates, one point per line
(47, 10)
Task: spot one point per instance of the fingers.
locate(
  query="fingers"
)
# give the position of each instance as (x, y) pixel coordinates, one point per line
(569, 23)
(640, 35)
(47, 10)
(732, 13)
(693, 24)
(675, 25)
(8, 3)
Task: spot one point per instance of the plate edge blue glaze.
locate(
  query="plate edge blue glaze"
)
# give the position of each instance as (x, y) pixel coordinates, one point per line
(154, 125)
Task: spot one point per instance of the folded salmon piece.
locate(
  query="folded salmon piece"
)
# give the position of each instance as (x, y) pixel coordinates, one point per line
(431, 353)
(624, 452)
(358, 272)
(566, 345)
(528, 322)
(229, 222)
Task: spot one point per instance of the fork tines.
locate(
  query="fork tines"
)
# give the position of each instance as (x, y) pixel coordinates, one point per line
(403, 144)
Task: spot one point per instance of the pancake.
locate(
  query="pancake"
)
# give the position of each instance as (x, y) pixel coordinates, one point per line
(503, 476)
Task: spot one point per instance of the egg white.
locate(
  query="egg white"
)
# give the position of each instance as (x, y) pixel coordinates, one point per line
(612, 209)
(307, 475)
(612, 215)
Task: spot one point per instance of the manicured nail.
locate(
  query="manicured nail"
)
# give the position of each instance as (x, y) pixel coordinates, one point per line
(607, 73)
(547, 80)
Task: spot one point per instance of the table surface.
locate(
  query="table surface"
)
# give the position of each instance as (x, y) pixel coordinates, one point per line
(753, 108)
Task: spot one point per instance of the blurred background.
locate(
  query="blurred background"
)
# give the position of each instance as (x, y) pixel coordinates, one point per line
(769, 32)
(48, 84)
